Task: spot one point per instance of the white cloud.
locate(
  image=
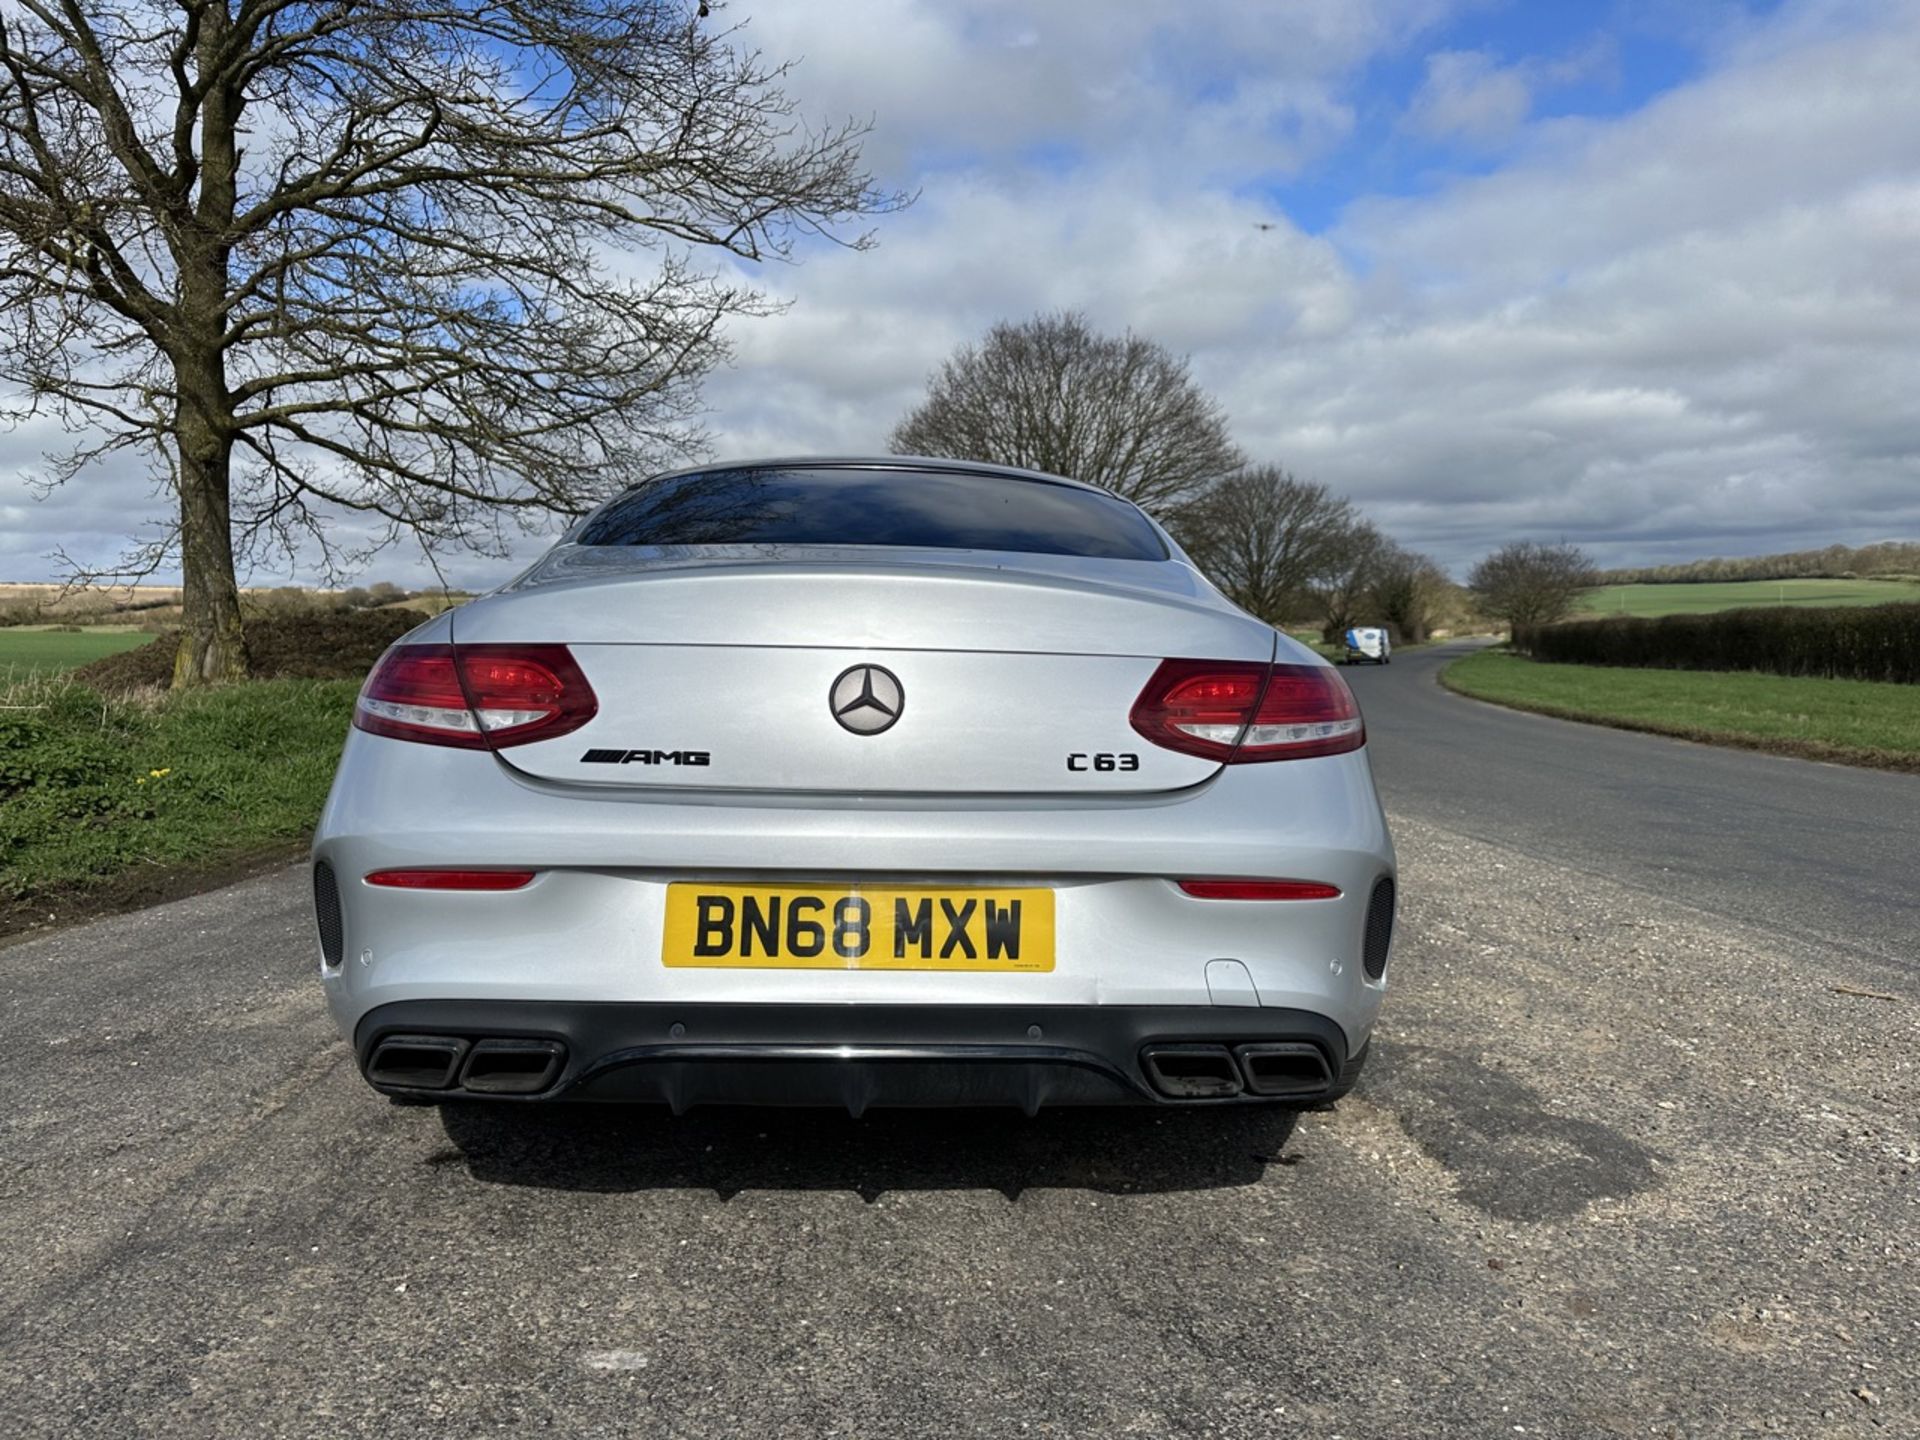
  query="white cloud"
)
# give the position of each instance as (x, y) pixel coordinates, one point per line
(1226, 88)
(1688, 329)
(1468, 95)
(1729, 282)
(1472, 99)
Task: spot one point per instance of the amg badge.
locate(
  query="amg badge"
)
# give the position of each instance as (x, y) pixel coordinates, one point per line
(647, 757)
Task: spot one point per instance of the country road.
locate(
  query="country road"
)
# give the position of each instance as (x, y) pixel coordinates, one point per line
(1630, 1160)
(1821, 852)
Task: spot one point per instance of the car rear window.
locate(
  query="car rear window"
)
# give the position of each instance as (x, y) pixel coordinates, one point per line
(923, 509)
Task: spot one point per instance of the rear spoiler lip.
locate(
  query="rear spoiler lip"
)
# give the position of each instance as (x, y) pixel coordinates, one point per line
(567, 563)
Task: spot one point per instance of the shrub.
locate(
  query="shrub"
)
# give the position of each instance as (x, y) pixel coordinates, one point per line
(150, 602)
(86, 605)
(282, 601)
(1878, 642)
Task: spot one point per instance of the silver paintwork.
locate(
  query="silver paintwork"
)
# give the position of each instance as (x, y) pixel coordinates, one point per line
(1007, 661)
(1012, 662)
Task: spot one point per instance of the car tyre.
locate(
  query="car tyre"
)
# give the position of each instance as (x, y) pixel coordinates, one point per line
(1349, 1077)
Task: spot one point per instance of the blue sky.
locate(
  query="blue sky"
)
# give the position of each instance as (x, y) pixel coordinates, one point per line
(1641, 275)
(1589, 59)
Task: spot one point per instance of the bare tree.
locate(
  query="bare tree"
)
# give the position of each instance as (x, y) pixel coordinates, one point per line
(1407, 590)
(1341, 590)
(1051, 394)
(366, 256)
(1529, 583)
(1265, 537)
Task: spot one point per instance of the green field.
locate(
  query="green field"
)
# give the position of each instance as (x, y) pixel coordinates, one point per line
(29, 652)
(1855, 722)
(1701, 598)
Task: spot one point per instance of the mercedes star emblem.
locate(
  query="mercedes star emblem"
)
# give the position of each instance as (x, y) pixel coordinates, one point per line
(866, 699)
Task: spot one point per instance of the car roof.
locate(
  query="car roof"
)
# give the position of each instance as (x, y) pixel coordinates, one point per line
(878, 462)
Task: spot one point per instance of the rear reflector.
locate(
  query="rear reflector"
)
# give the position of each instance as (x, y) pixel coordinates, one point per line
(1239, 712)
(475, 697)
(1260, 890)
(451, 879)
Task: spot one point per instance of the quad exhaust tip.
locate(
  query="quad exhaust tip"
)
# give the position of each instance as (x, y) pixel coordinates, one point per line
(494, 1066)
(512, 1067)
(1192, 1072)
(1284, 1068)
(416, 1062)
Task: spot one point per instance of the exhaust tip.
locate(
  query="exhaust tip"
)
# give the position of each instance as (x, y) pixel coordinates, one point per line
(512, 1067)
(416, 1062)
(1284, 1068)
(1191, 1072)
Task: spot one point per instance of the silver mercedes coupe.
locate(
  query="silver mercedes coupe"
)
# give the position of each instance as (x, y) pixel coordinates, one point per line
(856, 782)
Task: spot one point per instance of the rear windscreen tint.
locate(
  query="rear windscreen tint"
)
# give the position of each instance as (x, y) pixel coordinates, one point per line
(914, 508)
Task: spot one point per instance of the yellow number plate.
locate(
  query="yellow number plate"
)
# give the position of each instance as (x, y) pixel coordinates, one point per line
(842, 927)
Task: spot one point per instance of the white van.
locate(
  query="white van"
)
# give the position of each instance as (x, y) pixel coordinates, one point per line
(1369, 643)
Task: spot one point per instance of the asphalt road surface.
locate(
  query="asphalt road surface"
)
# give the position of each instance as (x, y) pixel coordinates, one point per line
(1633, 1158)
(1823, 852)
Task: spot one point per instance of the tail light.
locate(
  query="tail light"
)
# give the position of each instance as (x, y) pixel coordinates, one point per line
(475, 697)
(1307, 710)
(1239, 712)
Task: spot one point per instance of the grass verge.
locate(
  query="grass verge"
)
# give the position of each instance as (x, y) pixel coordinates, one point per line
(1851, 722)
(111, 800)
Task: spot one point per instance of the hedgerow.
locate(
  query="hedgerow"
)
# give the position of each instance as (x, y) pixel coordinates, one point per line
(1877, 642)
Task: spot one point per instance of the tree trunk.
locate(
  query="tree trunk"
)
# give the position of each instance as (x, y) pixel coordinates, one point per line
(212, 646)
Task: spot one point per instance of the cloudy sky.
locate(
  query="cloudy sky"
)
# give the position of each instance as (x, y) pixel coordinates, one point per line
(1641, 275)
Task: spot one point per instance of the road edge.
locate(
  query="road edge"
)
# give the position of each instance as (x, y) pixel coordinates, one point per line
(141, 888)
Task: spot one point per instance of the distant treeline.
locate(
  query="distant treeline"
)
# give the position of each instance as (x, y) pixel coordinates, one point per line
(1864, 642)
(1836, 562)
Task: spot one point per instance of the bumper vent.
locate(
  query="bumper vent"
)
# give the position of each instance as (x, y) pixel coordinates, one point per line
(326, 914)
(1379, 929)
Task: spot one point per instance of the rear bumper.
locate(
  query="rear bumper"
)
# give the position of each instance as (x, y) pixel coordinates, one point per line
(853, 1056)
(587, 929)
